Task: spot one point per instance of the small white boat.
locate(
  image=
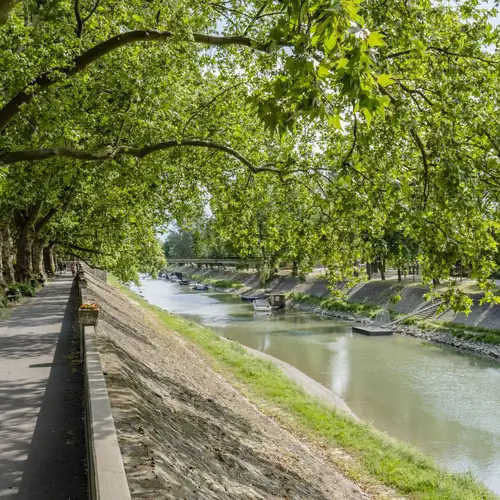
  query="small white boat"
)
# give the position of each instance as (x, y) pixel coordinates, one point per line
(262, 305)
(199, 287)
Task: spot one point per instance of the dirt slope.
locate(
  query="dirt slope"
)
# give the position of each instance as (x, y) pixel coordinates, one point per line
(185, 433)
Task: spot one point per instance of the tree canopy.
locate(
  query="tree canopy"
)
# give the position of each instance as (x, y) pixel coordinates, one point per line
(311, 129)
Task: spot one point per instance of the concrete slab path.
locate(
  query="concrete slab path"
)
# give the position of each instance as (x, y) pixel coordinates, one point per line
(42, 452)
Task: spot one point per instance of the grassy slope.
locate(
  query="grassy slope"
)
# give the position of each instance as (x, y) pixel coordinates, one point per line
(377, 457)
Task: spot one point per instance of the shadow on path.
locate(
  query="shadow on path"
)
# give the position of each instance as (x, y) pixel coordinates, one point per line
(38, 387)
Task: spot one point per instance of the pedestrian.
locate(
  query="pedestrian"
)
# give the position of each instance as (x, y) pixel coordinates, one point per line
(73, 269)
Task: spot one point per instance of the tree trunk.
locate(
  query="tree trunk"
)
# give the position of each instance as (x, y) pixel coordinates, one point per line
(48, 260)
(6, 252)
(24, 254)
(37, 256)
(399, 274)
(369, 270)
(2, 281)
(381, 268)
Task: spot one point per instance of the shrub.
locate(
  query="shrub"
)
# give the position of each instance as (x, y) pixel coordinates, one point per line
(395, 298)
(26, 290)
(21, 290)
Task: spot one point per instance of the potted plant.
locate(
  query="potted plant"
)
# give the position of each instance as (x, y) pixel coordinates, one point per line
(88, 314)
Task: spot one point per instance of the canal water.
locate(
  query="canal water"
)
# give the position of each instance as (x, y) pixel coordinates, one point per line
(444, 402)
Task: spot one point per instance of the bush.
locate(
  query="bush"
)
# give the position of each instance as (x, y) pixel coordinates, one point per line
(335, 304)
(224, 284)
(21, 289)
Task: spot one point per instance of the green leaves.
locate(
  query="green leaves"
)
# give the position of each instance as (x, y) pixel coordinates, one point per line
(380, 119)
(375, 39)
(385, 80)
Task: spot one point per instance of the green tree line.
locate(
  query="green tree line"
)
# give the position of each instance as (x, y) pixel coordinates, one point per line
(317, 127)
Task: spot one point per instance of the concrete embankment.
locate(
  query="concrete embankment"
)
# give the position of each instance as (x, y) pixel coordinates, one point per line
(379, 294)
(184, 431)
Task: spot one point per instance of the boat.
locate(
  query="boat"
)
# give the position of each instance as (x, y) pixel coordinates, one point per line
(249, 299)
(262, 305)
(183, 282)
(201, 287)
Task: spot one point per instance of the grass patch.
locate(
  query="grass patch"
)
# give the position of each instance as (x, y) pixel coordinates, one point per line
(335, 304)
(5, 312)
(223, 284)
(377, 457)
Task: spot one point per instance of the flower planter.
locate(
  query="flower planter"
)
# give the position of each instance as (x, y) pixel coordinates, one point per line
(88, 317)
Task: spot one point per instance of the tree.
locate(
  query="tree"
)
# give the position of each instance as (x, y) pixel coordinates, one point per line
(382, 115)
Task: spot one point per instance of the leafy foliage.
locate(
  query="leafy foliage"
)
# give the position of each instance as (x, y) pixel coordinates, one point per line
(313, 131)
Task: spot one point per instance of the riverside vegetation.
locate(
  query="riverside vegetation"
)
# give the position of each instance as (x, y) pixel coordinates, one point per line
(374, 456)
(316, 131)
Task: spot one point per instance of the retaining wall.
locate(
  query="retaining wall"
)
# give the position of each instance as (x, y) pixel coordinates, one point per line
(106, 473)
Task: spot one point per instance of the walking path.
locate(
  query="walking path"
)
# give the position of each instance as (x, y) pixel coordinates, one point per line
(42, 452)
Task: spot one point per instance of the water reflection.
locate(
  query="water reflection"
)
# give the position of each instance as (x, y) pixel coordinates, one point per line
(444, 402)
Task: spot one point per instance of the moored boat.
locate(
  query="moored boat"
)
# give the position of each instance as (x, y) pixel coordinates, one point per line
(249, 299)
(262, 305)
(201, 287)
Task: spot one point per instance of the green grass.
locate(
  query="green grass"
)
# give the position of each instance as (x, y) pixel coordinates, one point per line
(5, 312)
(335, 304)
(377, 457)
(222, 284)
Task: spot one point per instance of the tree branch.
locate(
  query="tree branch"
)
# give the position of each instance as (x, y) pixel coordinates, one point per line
(206, 105)
(491, 62)
(66, 200)
(110, 153)
(94, 8)
(415, 91)
(493, 142)
(81, 249)
(425, 161)
(259, 12)
(5, 6)
(354, 139)
(79, 22)
(79, 63)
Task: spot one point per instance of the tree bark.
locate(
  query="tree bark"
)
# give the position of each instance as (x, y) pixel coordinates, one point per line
(399, 274)
(37, 256)
(2, 282)
(48, 260)
(5, 6)
(369, 270)
(80, 154)
(7, 268)
(24, 254)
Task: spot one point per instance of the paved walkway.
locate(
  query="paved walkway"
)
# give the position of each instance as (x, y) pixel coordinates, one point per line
(42, 453)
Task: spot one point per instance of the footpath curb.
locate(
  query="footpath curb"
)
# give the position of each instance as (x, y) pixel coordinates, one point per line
(106, 473)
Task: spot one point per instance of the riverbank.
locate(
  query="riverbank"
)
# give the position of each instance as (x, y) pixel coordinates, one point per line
(368, 300)
(383, 467)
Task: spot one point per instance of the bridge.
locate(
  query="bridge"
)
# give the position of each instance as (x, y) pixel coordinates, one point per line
(250, 263)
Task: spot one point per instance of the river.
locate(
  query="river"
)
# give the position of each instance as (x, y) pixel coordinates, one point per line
(444, 402)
